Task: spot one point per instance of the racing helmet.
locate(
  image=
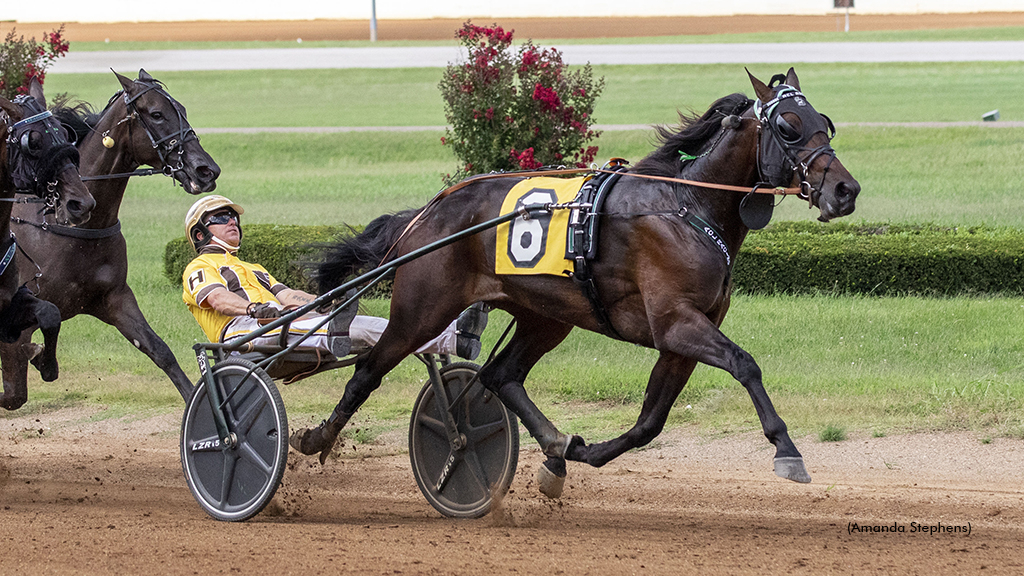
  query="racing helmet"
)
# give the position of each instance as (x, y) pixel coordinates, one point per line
(198, 234)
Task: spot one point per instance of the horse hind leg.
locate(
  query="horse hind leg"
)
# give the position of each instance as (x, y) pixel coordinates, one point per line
(669, 376)
(404, 334)
(534, 337)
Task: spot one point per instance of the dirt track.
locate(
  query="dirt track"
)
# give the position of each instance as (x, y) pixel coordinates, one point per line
(444, 29)
(88, 498)
(81, 497)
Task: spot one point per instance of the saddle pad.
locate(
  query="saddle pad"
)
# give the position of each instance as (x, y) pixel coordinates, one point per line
(537, 245)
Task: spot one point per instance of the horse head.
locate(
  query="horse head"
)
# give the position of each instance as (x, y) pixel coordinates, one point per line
(166, 141)
(41, 159)
(794, 147)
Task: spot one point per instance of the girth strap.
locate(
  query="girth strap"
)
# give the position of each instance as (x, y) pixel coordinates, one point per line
(73, 232)
(581, 246)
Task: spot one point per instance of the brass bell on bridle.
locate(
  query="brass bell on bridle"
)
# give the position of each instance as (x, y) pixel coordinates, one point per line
(108, 142)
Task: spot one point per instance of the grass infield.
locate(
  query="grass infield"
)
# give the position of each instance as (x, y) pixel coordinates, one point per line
(869, 366)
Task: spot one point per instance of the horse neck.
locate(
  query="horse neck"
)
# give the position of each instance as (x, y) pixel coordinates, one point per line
(733, 162)
(98, 160)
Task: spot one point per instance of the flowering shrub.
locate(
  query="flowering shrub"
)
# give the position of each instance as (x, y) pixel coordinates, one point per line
(22, 60)
(522, 110)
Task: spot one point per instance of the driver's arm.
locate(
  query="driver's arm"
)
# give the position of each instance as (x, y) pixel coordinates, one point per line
(226, 302)
(292, 297)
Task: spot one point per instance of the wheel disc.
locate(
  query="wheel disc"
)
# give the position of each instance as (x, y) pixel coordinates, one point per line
(461, 482)
(234, 484)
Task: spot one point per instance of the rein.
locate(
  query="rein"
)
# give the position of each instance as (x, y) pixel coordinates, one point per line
(527, 174)
(139, 172)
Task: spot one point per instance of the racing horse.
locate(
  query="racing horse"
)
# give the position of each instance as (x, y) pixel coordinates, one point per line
(662, 275)
(141, 125)
(37, 159)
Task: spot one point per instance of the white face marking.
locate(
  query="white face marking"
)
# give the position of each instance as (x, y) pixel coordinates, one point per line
(136, 342)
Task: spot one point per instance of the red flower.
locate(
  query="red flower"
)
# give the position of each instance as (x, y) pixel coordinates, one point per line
(547, 96)
(525, 159)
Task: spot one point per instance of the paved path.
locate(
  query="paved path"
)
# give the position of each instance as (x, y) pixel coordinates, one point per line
(603, 127)
(440, 56)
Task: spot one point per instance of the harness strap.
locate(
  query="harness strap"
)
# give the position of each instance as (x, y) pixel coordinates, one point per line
(72, 232)
(139, 172)
(582, 242)
(9, 256)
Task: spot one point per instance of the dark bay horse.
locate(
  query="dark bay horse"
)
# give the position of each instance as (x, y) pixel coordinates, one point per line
(141, 125)
(36, 159)
(662, 275)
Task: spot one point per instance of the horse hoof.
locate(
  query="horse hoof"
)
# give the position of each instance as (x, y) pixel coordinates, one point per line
(310, 441)
(792, 468)
(48, 371)
(549, 483)
(12, 402)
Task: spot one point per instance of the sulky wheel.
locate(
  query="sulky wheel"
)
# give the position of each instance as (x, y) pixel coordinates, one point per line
(234, 484)
(460, 481)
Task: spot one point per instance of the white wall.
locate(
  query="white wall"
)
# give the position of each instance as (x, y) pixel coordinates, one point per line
(142, 10)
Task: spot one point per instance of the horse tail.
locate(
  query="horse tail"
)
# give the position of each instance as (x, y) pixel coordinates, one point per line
(363, 251)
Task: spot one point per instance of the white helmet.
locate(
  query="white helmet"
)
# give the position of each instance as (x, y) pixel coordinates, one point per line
(198, 234)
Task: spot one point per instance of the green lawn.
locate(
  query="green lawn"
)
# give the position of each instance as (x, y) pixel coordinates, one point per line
(864, 364)
(959, 34)
(930, 92)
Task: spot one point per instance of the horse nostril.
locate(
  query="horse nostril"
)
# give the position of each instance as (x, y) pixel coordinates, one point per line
(208, 173)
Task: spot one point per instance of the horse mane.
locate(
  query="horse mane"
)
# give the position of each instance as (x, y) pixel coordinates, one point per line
(80, 117)
(77, 116)
(693, 133)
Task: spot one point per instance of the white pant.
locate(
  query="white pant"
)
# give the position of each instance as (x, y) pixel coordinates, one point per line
(364, 331)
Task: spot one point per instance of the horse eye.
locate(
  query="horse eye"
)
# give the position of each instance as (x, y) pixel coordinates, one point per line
(31, 142)
(787, 132)
(157, 115)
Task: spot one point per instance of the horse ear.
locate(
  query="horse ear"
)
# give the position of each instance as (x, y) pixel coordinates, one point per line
(764, 93)
(791, 79)
(35, 90)
(143, 75)
(8, 107)
(126, 83)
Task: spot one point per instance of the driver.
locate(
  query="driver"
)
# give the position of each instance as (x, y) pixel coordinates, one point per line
(229, 296)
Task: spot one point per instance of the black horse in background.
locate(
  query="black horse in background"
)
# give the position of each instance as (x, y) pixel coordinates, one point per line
(662, 277)
(37, 160)
(84, 270)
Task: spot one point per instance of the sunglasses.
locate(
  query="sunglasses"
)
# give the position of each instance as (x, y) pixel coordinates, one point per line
(222, 218)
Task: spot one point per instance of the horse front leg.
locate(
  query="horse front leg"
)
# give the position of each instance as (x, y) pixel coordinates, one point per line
(693, 335)
(47, 316)
(121, 310)
(14, 357)
(24, 314)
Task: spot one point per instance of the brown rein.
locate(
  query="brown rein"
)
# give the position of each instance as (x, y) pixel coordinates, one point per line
(727, 187)
(529, 174)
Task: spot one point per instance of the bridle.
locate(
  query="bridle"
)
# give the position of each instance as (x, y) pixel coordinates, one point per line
(785, 151)
(35, 165)
(169, 148)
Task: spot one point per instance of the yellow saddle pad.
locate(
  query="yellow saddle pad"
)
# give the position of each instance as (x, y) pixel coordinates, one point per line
(537, 245)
